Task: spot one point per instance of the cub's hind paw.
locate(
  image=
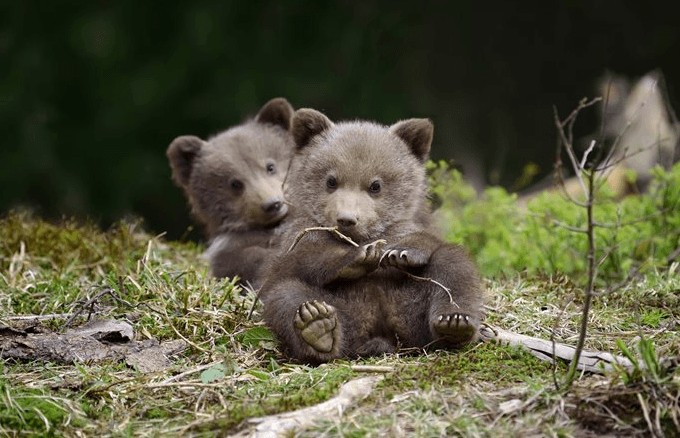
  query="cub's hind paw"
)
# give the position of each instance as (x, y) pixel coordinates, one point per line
(318, 325)
(456, 328)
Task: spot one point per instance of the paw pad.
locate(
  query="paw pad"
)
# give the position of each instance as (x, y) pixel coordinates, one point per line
(317, 324)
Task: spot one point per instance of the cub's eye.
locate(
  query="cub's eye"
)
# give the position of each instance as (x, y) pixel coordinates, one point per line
(375, 187)
(236, 185)
(271, 168)
(331, 182)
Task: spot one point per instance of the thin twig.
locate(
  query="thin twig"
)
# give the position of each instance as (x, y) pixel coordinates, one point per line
(645, 413)
(570, 152)
(569, 227)
(90, 304)
(591, 268)
(333, 230)
(554, 343)
(567, 140)
(249, 288)
(430, 280)
(372, 368)
(584, 159)
(45, 317)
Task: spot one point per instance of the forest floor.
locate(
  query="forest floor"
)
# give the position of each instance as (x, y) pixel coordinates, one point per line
(179, 353)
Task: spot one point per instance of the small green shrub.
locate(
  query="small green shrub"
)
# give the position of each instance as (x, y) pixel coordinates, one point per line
(636, 232)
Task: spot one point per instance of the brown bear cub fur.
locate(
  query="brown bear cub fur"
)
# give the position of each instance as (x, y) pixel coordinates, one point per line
(325, 298)
(233, 183)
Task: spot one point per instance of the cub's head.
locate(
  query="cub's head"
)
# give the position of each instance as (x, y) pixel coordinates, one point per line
(362, 177)
(234, 180)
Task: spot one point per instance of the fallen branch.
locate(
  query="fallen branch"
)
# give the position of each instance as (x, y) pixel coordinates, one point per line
(591, 361)
(288, 423)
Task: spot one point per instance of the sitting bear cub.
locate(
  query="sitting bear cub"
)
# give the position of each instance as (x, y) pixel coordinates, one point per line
(233, 183)
(326, 298)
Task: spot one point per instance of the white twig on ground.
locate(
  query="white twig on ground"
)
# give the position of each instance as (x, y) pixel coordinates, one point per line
(288, 423)
(590, 361)
(372, 368)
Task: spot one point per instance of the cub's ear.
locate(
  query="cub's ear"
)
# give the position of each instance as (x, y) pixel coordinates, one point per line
(417, 134)
(276, 112)
(308, 123)
(181, 154)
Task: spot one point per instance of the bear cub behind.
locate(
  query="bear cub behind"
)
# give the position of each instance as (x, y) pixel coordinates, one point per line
(326, 298)
(233, 182)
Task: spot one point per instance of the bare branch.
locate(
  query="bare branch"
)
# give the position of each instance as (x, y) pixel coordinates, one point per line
(568, 147)
(584, 159)
(569, 227)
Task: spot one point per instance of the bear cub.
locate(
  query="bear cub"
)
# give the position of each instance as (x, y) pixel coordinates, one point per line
(233, 182)
(326, 298)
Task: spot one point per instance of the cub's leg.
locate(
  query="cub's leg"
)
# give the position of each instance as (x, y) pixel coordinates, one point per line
(309, 329)
(454, 323)
(452, 319)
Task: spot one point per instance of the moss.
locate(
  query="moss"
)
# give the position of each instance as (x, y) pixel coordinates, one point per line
(24, 411)
(489, 362)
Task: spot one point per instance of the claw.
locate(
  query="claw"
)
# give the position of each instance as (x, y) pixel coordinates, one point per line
(312, 309)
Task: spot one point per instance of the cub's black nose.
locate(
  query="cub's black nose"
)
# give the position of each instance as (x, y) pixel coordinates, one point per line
(347, 220)
(272, 206)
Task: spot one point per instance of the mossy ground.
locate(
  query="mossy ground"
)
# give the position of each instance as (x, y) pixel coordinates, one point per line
(233, 370)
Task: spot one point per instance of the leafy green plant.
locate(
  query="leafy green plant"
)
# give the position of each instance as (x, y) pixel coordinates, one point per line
(637, 232)
(645, 367)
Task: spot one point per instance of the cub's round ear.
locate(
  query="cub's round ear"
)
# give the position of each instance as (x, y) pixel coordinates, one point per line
(417, 134)
(181, 154)
(308, 123)
(276, 112)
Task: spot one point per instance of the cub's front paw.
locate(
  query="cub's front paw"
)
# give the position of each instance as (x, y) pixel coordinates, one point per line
(318, 325)
(371, 253)
(456, 328)
(404, 258)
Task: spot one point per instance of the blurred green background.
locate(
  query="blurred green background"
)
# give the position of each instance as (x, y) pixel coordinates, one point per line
(92, 93)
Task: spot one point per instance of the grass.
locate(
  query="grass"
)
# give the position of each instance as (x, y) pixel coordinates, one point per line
(232, 369)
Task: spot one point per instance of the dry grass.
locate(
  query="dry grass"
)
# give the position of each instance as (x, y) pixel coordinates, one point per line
(233, 370)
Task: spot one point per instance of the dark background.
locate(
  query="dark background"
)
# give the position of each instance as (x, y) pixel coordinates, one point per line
(91, 95)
